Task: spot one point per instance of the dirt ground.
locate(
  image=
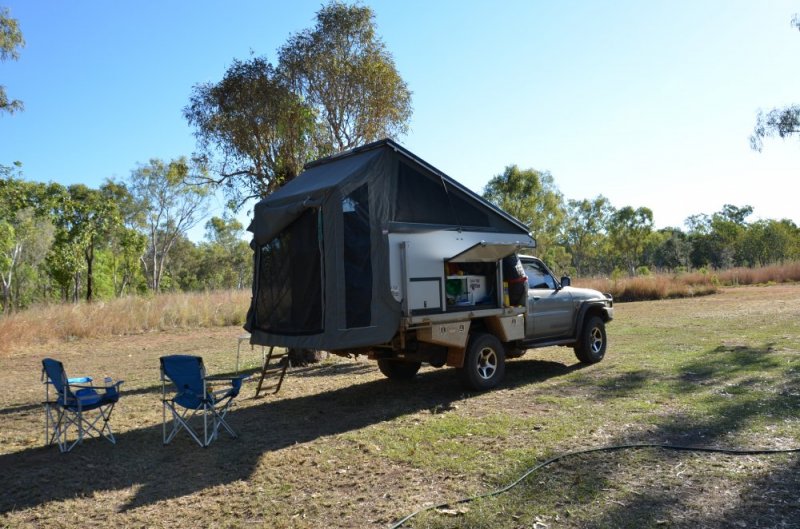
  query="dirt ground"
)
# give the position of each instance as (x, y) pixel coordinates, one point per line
(286, 465)
(300, 461)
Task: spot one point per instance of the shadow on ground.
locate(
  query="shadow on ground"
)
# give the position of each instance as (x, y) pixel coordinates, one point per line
(140, 461)
(768, 501)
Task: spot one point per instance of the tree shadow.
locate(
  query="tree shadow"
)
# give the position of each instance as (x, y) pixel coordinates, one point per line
(721, 421)
(139, 461)
(625, 384)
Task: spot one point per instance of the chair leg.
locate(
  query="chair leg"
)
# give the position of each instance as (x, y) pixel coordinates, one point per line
(54, 419)
(219, 419)
(181, 421)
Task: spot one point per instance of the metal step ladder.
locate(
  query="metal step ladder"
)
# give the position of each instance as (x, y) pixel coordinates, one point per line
(270, 368)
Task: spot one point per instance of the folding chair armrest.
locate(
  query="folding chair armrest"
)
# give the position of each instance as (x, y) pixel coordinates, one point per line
(225, 378)
(220, 378)
(83, 386)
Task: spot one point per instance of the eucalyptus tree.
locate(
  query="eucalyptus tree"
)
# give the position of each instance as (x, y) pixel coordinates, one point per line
(11, 41)
(585, 233)
(341, 67)
(87, 220)
(335, 87)
(251, 130)
(629, 231)
(780, 121)
(532, 197)
(768, 242)
(171, 206)
(227, 254)
(24, 224)
(126, 242)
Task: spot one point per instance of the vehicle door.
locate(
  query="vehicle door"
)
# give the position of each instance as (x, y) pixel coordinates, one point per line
(550, 308)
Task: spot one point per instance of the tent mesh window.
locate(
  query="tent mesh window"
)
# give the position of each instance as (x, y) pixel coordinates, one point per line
(425, 198)
(289, 295)
(357, 258)
(428, 200)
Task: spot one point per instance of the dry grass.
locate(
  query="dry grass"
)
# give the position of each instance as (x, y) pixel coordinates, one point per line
(341, 447)
(132, 315)
(683, 285)
(124, 316)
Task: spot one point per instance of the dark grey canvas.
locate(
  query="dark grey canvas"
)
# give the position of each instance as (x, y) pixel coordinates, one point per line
(321, 245)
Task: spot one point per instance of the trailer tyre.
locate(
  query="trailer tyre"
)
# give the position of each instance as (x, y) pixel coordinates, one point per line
(591, 345)
(484, 362)
(398, 370)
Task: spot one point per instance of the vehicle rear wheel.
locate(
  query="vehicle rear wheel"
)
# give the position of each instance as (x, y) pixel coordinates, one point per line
(591, 345)
(484, 362)
(397, 369)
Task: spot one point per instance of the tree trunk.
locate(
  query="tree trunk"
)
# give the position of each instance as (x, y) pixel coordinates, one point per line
(6, 298)
(76, 291)
(303, 357)
(89, 253)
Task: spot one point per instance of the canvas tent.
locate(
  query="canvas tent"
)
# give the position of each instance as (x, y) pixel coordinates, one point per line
(322, 245)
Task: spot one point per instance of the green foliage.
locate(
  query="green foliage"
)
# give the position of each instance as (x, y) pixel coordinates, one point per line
(335, 87)
(781, 122)
(253, 130)
(170, 205)
(585, 233)
(25, 229)
(629, 230)
(11, 41)
(342, 69)
(769, 241)
(532, 197)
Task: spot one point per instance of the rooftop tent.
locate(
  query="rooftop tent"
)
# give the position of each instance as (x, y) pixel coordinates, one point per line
(322, 248)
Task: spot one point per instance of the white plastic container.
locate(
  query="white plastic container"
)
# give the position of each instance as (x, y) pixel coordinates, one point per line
(465, 290)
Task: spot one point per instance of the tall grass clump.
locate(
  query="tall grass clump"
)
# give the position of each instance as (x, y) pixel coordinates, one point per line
(128, 315)
(688, 284)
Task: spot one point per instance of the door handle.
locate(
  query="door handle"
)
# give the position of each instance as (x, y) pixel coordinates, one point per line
(536, 298)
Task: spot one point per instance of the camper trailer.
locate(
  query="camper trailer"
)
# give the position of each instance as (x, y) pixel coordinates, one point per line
(373, 251)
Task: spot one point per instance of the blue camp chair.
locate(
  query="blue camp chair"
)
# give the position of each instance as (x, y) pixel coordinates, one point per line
(71, 405)
(194, 398)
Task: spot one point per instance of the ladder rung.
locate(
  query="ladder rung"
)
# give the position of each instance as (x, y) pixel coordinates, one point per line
(267, 369)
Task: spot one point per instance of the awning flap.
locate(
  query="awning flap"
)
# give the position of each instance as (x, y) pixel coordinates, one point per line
(487, 252)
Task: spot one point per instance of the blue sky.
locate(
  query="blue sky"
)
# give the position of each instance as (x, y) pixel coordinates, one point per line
(648, 103)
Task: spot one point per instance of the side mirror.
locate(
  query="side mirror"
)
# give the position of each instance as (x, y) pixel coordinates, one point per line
(565, 281)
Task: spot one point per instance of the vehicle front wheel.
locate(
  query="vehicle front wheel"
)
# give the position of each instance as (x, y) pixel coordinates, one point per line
(591, 345)
(484, 362)
(397, 369)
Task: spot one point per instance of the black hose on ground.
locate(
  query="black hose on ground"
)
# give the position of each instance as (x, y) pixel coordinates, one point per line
(614, 448)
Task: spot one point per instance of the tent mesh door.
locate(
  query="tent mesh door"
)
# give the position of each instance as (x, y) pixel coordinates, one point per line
(289, 294)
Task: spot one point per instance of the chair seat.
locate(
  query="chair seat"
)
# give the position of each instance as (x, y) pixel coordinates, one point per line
(90, 399)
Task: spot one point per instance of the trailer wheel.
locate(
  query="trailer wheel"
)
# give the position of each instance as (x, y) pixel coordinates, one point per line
(397, 369)
(484, 362)
(591, 345)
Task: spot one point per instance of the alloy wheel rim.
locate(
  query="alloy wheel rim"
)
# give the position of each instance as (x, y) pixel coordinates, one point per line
(487, 363)
(596, 340)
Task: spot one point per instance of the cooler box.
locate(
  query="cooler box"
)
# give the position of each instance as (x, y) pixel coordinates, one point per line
(465, 290)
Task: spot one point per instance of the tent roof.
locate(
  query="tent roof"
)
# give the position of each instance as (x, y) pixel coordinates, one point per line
(331, 171)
